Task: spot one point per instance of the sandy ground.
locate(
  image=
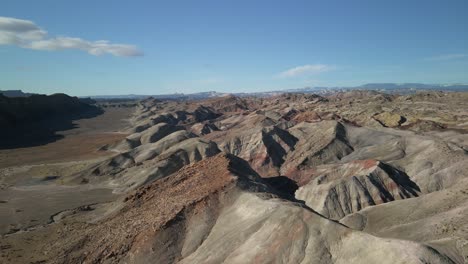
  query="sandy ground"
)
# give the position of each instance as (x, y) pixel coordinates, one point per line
(31, 186)
(24, 207)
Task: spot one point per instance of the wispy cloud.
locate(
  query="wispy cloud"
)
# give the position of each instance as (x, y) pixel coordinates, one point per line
(447, 57)
(305, 70)
(26, 34)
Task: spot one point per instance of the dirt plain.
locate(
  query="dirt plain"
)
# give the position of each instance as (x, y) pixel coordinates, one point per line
(28, 197)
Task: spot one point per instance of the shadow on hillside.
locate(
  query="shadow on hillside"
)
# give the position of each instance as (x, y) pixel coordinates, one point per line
(43, 131)
(285, 187)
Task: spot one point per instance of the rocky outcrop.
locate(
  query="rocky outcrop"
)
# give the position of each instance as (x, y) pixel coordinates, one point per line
(149, 162)
(296, 176)
(113, 165)
(146, 136)
(437, 219)
(307, 116)
(203, 113)
(152, 150)
(157, 132)
(389, 119)
(430, 162)
(145, 124)
(262, 145)
(203, 128)
(303, 98)
(341, 189)
(219, 211)
(318, 143)
(227, 104)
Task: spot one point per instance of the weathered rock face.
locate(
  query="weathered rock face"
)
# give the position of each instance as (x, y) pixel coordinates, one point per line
(113, 165)
(178, 155)
(148, 135)
(152, 150)
(424, 126)
(265, 149)
(261, 143)
(154, 153)
(149, 162)
(203, 129)
(389, 119)
(307, 116)
(278, 148)
(125, 145)
(157, 132)
(145, 123)
(338, 190)
(318, 143)
(437, 219)
(301, 98)
(219, 211)
(227, 104)
(430, 162)
(203, 113)
(151, 113)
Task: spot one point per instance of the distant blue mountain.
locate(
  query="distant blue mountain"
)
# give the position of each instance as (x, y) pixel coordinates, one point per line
(397, 88)
(416, 86)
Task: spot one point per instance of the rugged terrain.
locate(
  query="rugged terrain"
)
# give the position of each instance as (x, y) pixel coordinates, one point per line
(352, 177)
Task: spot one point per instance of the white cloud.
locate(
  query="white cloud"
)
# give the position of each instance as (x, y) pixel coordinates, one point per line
(305, 70)
(95, 48)
(17, 31)
(26, 34)
(447, 57)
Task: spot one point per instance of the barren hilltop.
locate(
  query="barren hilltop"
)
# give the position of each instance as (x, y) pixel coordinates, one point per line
(358, 176)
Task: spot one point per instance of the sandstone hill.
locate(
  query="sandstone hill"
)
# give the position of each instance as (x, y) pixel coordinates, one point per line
(353, 177)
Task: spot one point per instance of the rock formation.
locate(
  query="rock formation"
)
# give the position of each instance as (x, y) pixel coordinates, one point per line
(351, 177)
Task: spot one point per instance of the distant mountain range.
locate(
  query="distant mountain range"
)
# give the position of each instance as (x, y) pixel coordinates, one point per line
(415, 86)
(400, 88)
(200, 95)
(397, 88)
(15, 93)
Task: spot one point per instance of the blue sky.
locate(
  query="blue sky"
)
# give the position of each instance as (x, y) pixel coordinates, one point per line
(156, 47)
